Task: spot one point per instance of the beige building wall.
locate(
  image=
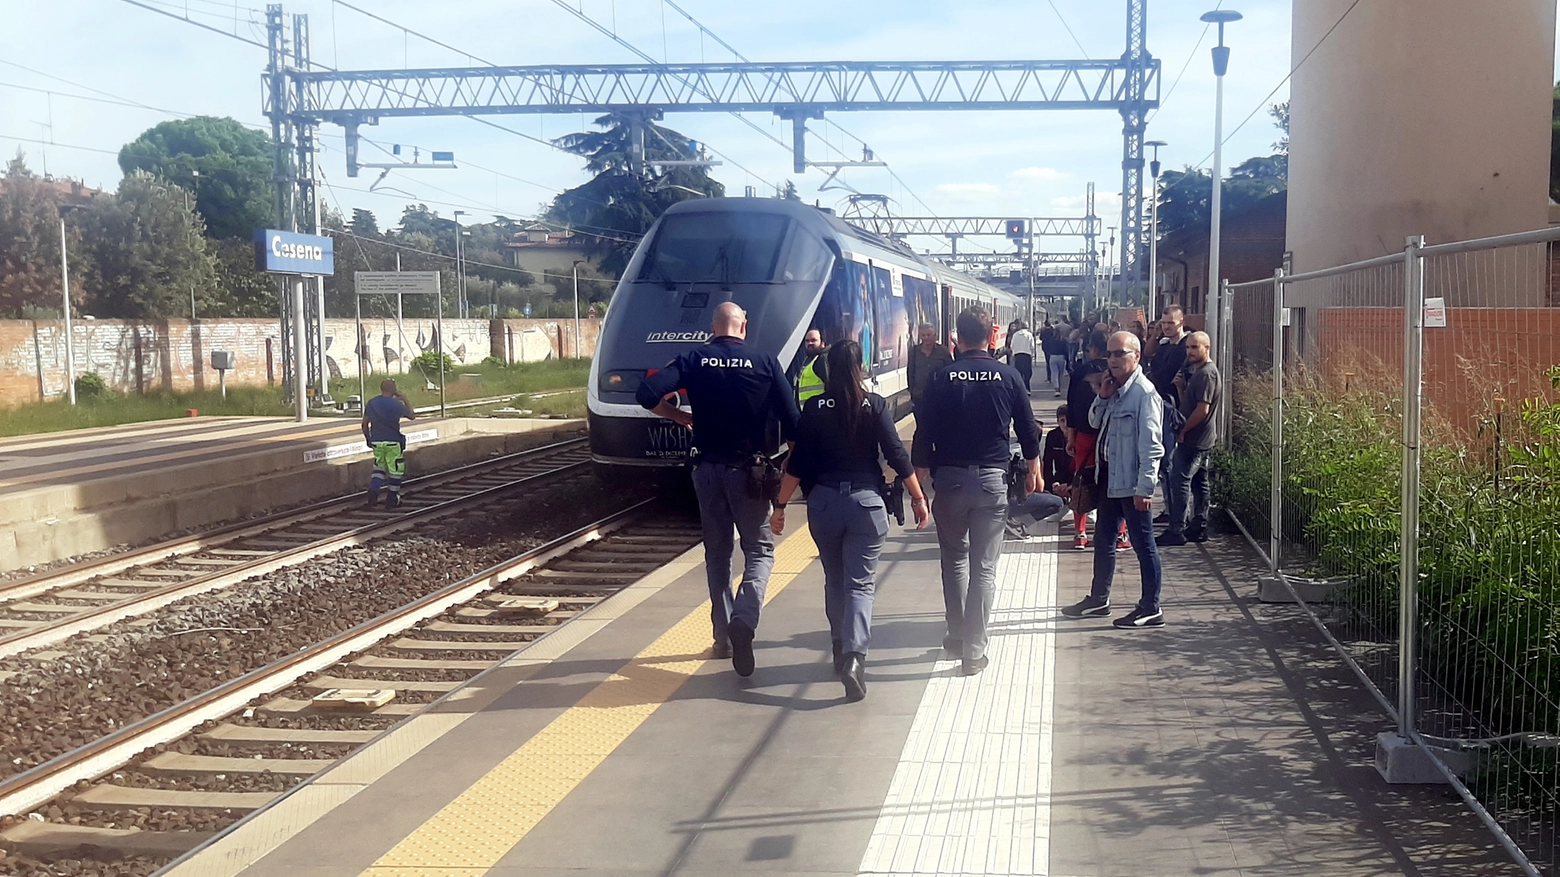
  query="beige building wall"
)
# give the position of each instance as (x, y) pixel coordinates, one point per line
(1417, 117)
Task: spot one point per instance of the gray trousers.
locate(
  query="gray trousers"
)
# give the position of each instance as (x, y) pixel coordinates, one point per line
(970, 507)
(849, 527)
(724, 504)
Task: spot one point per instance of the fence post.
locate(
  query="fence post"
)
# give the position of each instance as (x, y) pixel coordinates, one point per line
(1225, 352)
(1413, 400)
(1276, 507)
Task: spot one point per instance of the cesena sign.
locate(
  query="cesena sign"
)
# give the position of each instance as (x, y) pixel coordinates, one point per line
(287, 252)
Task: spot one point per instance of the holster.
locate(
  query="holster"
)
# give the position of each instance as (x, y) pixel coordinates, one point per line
(894, 500)
(763, 478)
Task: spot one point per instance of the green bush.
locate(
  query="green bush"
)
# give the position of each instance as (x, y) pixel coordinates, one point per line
(428, 363)
(494, 362)
(91, 386)
(1489, 542)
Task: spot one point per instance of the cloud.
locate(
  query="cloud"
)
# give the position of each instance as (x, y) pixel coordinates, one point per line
(1038, 175)
(969, 191)
(1106, 204)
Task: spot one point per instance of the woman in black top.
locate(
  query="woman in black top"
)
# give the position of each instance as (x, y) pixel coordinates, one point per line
(836, 458)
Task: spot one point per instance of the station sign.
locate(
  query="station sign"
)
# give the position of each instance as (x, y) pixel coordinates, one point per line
(396, 282)
(288, 252)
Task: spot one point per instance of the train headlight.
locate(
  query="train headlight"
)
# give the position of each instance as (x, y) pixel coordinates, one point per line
(622, 380)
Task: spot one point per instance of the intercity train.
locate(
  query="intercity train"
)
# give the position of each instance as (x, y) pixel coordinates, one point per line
(792, 267)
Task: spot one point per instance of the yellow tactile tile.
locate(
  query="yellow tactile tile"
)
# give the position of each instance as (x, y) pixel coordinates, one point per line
(471, 833)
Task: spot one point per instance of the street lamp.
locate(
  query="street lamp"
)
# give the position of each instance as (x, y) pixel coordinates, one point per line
(460, 268)
(577, 262)
(1221, 65)
(70, 350)
(1153, 233)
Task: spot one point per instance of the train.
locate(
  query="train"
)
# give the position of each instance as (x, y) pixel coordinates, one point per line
(792, 267)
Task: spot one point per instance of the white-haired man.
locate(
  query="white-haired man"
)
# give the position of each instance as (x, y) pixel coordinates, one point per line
(1127, 412)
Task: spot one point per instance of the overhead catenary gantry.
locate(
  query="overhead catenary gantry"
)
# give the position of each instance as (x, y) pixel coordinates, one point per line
(797, 91)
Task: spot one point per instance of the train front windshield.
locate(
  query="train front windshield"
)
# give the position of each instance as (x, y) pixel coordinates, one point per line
(723, 247)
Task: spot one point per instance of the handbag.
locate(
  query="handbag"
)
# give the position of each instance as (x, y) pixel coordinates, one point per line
(1083, 497)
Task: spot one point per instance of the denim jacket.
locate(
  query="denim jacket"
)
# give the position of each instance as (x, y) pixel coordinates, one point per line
(1131, 420)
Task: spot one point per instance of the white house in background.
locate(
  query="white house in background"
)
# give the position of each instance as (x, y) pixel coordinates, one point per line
(546, 253)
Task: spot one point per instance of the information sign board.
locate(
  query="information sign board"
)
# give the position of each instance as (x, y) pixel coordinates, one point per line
(396, 282)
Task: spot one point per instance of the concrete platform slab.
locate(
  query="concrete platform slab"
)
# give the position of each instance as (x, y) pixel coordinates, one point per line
(1228, 743)
(67, 494)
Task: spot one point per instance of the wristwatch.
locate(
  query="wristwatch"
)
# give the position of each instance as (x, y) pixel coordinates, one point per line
(780, 506)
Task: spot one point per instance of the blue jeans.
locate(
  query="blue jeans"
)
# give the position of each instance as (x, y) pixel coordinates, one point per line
(969, 506)
(1140, 526)
(1188, 490)
(1039, 506)
(1056, 366)
(849, 526)
(724, 505)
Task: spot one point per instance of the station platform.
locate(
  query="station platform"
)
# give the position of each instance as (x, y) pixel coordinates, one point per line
(1228, 743)
(69, 493)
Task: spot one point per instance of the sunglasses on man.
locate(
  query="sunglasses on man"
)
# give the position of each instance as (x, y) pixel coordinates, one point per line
(1118, 354)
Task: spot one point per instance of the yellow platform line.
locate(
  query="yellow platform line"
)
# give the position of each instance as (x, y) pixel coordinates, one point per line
(471, 833)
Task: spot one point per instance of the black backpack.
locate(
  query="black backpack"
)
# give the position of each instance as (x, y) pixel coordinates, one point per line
(1171, 419)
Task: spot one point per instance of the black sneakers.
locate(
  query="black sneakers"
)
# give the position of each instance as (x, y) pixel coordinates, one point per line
(1168, 539)
(720, 651)
(741, 648)
(1089, 607)
(1139, 618)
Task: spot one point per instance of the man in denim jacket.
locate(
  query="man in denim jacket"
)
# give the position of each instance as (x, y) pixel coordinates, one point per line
(1128, 413)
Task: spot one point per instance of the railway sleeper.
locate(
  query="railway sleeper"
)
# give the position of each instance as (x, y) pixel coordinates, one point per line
(53, 841)
(180, 764)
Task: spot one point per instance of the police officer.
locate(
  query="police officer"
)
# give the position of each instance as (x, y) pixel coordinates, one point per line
(809, 381)
(962, 437)
(735, 394)
(838, 441)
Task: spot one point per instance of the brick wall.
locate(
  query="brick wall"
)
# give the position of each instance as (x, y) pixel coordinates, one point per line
(143, 356)
(1482, 355)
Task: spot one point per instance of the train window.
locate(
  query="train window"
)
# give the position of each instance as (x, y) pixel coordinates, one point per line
(722, 246)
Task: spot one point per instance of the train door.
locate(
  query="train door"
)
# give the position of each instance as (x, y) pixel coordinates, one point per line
(945, 325)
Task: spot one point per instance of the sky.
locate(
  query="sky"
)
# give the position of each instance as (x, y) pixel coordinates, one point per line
(943, 163)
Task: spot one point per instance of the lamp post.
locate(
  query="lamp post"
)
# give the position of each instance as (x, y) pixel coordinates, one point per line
(70, 350)
(577, 339)
(1151, 300)
(460, 269)
(1221, 65)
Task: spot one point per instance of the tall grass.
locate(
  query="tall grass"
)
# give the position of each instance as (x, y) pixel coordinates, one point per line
(1489, 563)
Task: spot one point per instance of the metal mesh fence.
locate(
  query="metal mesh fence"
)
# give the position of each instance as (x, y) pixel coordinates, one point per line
(1489, 532)
(1244, 476)
(1341, 476)
(1416, 508)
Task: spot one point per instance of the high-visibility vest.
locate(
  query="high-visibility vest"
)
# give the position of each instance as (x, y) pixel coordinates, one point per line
(810, 383)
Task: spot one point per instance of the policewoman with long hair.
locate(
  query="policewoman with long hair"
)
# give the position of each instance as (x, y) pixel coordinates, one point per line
(838, 442)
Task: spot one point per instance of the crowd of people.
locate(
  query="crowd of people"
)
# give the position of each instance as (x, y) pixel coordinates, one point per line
(1138, 418)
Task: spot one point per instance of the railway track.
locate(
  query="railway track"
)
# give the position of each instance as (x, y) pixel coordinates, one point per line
(47, 609)
(233, 749)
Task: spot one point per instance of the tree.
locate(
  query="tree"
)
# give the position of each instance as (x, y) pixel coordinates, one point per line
(364, 222)
(29, 243)
(1186, 196)
(788, 192)
(616, 207)
(145, 252)
(1280, 114)
(224, 164)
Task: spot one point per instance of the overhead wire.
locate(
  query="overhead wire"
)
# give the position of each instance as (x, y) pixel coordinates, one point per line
(1068, 28)
(744, 59)
(410, 32)
(651, 60)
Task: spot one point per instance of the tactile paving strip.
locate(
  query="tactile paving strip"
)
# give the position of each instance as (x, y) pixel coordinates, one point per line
(484, 822)
(971, 795)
